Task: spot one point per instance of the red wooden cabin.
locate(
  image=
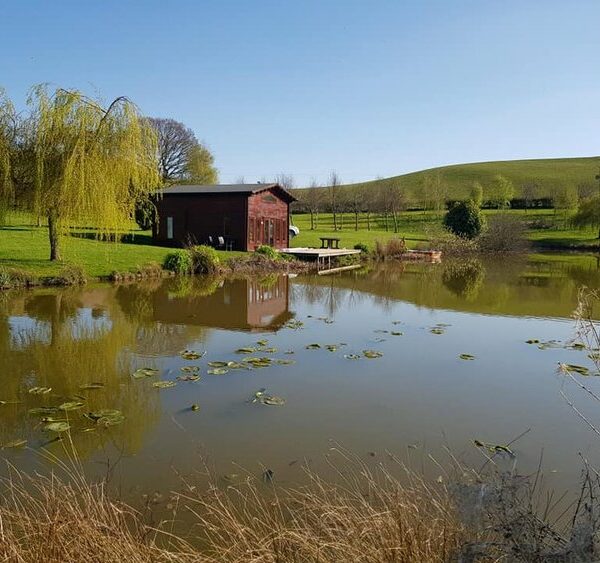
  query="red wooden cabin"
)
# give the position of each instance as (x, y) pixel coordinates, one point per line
(232, 216)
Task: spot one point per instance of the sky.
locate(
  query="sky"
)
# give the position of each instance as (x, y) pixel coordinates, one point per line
(367, 88)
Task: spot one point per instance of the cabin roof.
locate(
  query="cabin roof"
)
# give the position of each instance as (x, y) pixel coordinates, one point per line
(226, 189)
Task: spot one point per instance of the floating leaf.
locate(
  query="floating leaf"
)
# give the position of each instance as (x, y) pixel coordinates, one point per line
(396, 322)
(532, 341)
(257, 395)
(262, 342)
(246, 350)
(218, 364)
(43, 411)
(381, 331)
(284, 362)
(331, 347)
(190, 369)
(437, 330)
(289, 352)
(494, 448)
(371, 354)
(194, 407)
(18, 443)
(294, 324)
(190, 377)
(577, 346)
(141, 373)
(218, 371)
(352, 356)
(106, 417)
(39, 390)
(466, 357)
(273, 400)
(269, 350)
(313, 346)
(57, 427)
(91, 386)
(164, 384)
(582, 370)
(396, 333)
(71, 406)
(191, 354)
(550, 344)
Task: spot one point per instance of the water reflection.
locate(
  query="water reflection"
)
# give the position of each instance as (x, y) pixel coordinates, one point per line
(66, 338)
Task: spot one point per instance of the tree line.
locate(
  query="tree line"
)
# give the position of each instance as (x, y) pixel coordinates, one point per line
(69, 160)
(384, 201)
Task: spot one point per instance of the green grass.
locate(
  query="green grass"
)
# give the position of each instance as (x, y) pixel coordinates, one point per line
(415, 226)
(549, 173)
(26, 248)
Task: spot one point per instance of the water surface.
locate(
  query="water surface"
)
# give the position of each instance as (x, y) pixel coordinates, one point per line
(414, 400)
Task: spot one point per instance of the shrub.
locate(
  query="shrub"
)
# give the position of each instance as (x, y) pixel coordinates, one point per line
(505, 233)
(205, 259)
(71, 275)
(464, 220)
(392, 248)
(362, 247)
(268, 251)
(179, 261)
(145, 214)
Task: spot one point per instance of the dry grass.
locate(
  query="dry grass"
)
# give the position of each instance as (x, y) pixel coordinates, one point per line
(391, 248)
(367, 518)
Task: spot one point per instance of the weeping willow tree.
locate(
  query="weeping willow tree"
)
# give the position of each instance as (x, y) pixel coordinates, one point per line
(92, 164)
(7, 120)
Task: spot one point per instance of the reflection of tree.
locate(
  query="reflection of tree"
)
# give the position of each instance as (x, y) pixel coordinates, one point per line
(66, 347)
(464, 278)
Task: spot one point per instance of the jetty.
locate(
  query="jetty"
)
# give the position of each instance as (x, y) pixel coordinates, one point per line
(323, 257)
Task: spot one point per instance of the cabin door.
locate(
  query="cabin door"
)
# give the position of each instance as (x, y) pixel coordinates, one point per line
(269, 237)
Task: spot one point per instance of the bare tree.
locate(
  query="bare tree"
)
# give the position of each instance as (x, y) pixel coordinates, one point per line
(286, 181)
(355, 202)
(313, 200)
(530, 191)
(334, 182)
(180, 155)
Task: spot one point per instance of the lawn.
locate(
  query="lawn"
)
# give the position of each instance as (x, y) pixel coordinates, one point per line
(25, 247)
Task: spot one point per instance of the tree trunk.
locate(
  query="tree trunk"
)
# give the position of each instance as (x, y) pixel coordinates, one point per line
(54, 236)
(356, 220)
(368, 221)
(395, 218)
(312, 221)
(385, 218)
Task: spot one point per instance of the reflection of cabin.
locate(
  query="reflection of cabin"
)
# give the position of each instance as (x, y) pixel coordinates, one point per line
(237, 216)
(235, 305)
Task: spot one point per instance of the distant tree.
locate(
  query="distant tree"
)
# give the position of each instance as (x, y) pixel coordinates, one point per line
(588, 214)
(586, 190)
(434, 191)
(355, 202)
(7, 145)
(369, 199)
(313, 200)
(565, 199)
(285, 181)
(334, 182)
(531, 192)
(200, 166)
(181, 157)
(90, 163)
(501, 192)
(464, 219)
(476, 194)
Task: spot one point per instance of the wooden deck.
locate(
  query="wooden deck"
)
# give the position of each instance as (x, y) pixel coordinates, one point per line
(322, 256)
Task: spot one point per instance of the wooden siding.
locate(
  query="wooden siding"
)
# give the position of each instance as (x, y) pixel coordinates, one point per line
(267, 221)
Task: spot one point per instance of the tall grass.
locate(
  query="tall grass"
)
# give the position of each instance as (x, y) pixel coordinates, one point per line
(369, 517)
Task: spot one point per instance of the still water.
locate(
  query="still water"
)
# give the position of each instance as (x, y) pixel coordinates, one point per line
(416, 398)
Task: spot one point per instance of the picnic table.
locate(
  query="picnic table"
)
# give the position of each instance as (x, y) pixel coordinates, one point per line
(330, 242)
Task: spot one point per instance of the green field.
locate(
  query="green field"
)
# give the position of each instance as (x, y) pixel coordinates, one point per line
(549, 174)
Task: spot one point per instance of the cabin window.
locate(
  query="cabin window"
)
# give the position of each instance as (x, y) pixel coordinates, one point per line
(169, 227)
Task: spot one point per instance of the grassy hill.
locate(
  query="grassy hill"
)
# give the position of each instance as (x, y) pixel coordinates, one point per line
(549, 174)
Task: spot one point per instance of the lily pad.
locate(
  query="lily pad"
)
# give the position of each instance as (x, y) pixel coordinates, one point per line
(194, 408)
(331, 347)
(437, 330)
(91, 386)
(273, 400)
(188, 377)
(314, 346)
(218, 371)
(396, 333)
(164, 384)
(581, 370)
(282, 362)
(532, 341)
(466, 357)
(18, 443)
(494, 448)
(190, 369)
(43, 411)
(71, 406)
(262, 342)
(57, 427)
(246, 350)
(141, 373)
(39, 390)
(372, 354)
(106, 417)
(218, 364)
(352, 356)
(191, 354)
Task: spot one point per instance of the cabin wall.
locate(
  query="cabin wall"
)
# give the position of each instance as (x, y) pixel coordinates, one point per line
(267, 221)
(198, 216)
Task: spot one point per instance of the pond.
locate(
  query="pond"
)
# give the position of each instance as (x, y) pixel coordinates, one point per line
(410, 394)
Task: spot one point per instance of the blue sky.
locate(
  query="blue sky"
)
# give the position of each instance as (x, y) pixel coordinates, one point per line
(366, 88)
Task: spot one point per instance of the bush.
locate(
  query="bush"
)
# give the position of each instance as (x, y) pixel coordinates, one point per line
(392, 248)
(71, 275)
(505, 233)
(179, 261)
(205, 259)
(464, 219)
(268, 251)
(362, 247)
(145, 214)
